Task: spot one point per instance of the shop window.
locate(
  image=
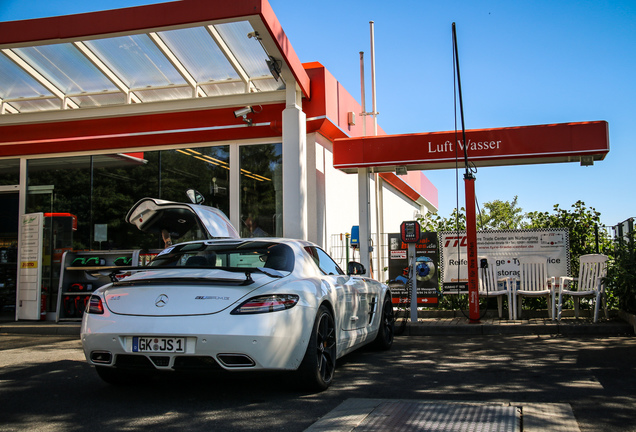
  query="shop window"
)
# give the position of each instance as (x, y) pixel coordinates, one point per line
(8, 252)
(9, 172)
(261, 191)
(97, 191)
(119, 181)
(60, 186)
(100, 189)
(206, 169)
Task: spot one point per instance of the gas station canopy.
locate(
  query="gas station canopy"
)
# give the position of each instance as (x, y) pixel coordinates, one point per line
(164, 52)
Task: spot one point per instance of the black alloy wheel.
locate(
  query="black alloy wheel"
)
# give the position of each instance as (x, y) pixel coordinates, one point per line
(386, 331)
(319, 364)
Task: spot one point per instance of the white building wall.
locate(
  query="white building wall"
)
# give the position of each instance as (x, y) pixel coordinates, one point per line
(397, 209)
(339, 194)
(333, 207)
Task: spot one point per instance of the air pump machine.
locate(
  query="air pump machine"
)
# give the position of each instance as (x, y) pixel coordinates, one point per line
(410, 233)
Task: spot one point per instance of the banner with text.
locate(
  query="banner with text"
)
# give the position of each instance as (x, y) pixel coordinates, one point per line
(30, 272)
(503, 248)
(426, 270)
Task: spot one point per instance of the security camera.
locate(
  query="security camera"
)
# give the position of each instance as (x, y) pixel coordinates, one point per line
(242, 112)
(253, 34)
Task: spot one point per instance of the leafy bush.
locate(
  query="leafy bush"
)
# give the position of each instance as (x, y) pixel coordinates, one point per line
(582, 223)
(621, 274)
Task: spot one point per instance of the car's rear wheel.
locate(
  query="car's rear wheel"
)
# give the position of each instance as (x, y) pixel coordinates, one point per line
(319, 364)
(386, 331)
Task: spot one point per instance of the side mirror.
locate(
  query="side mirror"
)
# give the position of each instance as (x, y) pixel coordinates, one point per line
(355, 268)
(195, 196)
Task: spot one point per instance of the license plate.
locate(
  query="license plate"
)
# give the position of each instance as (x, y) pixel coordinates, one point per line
(158, 344)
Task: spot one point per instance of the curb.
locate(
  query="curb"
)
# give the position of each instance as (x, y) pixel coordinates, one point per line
(536, 327)
(41, 328)
(425, 327)
(629, 318)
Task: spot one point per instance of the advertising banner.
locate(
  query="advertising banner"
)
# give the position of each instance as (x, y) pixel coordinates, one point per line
(503, 248)
(30, 271)
(427, 273)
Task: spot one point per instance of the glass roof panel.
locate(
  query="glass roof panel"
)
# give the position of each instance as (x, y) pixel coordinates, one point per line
(159, 94)
(219, 89)
(248, 51)
(137, 64)
(66, 68)
(137, 61)
(270, 84)
(35, 105)
(97, 100)
(16, 83)
(197, 51)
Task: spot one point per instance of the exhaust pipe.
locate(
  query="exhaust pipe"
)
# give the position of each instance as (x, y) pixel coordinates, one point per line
(101, 357)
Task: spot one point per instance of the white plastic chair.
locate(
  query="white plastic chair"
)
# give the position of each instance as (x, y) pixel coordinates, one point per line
(489, 286)
(533, 282)
(593, 268)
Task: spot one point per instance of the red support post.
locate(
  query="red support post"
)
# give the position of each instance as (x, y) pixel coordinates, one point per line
(471, 236)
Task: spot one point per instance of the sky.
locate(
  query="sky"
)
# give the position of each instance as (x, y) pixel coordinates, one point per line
(522, 63)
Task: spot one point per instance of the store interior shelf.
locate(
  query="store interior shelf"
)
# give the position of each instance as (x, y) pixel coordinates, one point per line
(77, 282)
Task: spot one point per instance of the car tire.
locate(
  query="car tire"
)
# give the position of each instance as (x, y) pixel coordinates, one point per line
(319, 364)
(114, 376)
(386, 331)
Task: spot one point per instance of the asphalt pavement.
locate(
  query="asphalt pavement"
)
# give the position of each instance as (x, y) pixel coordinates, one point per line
(442, 374)
(431, 325)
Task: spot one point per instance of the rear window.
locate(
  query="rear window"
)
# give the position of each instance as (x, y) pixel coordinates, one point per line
(243, 255)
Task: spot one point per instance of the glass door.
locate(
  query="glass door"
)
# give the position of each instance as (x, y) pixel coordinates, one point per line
(9, 215)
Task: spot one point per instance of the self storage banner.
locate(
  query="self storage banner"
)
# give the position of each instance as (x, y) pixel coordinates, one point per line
(503, 248)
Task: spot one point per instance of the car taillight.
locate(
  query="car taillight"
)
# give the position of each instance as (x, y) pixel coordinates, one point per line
(266, 303)
(95, 305)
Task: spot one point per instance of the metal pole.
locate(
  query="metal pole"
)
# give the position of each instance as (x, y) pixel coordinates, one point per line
(471, 236)
(363, 192)
(461, 103)
(413, 279)
(596, 237)
(363, 187)
(347, 250)
(379, 202)
(373, 107)
(364, 108)
(471, 218)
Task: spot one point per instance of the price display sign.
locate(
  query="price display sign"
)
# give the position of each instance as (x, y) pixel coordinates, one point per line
(410, 231)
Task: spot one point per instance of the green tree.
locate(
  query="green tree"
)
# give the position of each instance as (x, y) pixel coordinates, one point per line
(621, 274)
(496, 215)
(432, 222)
(584, 236)
(501, 215)
(582, 223)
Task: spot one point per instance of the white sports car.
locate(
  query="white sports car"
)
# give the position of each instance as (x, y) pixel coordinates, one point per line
(234, 304)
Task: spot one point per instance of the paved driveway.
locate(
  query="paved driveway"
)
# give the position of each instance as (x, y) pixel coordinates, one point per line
(45, 385)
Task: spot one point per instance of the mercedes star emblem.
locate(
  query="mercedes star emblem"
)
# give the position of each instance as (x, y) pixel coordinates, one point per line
(161, 301)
